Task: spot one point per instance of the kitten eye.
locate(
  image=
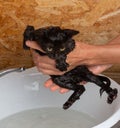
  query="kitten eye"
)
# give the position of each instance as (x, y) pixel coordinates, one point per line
(62, 49)
(49, 49)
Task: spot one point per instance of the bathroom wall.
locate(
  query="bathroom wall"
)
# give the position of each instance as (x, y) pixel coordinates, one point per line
(97, 20)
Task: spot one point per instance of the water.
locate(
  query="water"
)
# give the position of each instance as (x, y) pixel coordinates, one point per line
(48, 118)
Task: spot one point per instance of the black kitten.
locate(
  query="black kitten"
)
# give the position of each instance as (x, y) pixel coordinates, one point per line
(57, 43)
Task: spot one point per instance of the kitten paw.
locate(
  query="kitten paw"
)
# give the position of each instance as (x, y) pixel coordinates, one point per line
(112, 96)
(101, 91)
(62, 67)
(71, 100)
(67, 105)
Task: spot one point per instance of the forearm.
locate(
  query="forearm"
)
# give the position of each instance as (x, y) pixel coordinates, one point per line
(108, 53)
(85, 54)
(115, 41)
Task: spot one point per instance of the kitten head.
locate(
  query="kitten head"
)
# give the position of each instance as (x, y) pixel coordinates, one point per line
(55, 41)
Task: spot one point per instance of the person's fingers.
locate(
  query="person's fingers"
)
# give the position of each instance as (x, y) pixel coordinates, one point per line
(63, 90)
(46, 66)
(47, 69)
(33, 45)
(35, 55)
(54, 87)
(44, 59)
(99, 68)
(48, 83)
(51, 72)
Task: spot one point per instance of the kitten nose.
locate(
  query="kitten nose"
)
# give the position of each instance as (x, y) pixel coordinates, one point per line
(56, 55)
(53, 56)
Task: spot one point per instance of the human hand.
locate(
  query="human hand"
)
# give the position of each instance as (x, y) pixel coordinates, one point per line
(95, 69)
(47, 65)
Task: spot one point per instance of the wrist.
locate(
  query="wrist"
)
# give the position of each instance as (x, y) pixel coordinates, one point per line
(96, 54)
(83, 54)
(106, 54)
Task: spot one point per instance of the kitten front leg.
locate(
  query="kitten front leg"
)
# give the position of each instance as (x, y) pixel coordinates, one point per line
(65, 82)
(61, 63)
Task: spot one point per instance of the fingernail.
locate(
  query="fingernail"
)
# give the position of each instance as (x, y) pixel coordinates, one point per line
(47, 85)
(54, 88)
(64, 91)
(28, 42)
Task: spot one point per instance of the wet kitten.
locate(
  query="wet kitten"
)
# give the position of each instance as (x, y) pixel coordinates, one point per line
(57, 43)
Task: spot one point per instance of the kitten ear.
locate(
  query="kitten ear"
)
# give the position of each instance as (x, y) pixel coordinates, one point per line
(70, 32)
(40, 34)
(43, 31)
(40, 31)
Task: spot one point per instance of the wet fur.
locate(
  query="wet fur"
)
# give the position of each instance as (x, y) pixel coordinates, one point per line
(71, 79)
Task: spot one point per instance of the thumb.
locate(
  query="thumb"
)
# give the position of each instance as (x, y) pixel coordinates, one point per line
(33, 45)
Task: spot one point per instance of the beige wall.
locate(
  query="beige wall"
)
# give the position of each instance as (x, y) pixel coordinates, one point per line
(97, 20)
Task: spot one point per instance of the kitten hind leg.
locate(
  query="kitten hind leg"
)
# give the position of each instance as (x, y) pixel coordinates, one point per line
(104, 83)
(112, 93)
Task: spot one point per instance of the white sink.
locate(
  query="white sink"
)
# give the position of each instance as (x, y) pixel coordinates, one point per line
(24, 90)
